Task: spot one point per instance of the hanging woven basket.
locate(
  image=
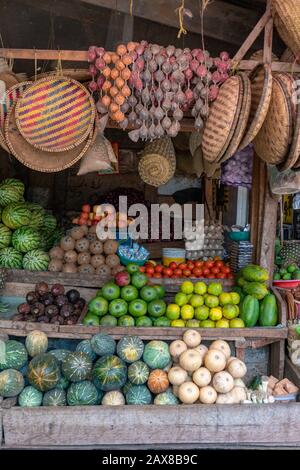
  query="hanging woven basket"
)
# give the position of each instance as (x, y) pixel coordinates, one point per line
(158, 163)
(286, 14)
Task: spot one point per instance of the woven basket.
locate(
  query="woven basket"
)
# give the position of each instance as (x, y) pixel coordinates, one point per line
(36, 159)
(9, 78)
(273, 140)
(221, 121)
(259, 56)
(81, 75)
(55, 114)
(261, 92)
(195, 141)
(158, 163)
(287, 56)
(286, 14)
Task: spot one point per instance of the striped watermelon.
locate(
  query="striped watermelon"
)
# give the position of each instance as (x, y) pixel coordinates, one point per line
(25, 239)
(49, 224)
(77, 366)
(11, 258)
(15, 183)
(11, 383)
(83, 393)
(36, 260)
(16, 215)
(5, 236)
(34, 206)
(11, 190)
(15, 355)
(37, 218)
(46, 240)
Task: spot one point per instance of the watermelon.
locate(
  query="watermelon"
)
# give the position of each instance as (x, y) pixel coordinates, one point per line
(11, 190)
(59, 354)
(86, 347)
(166, 398)
(103, 345)
(11, 383)
(55, 397)
(30, 396)
(36, 343)
(56, 236)
(138, 395)
(15, 183)
(256, 289)
(11, 258)
(49, 223)
(15, 355)
(62, 384)
(36, 260)
(37, 218)
(43, 372)
(156, 354)
(34, 206)
(130, 348)
(82, 393)
(77, 366)
(109, 373)
(25, 239)
(46, 240)
(5, 236)
(16, 215)
(138, 373)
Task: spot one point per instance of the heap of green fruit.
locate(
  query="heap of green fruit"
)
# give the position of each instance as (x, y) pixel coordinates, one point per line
(258, 306)
(204, 306)
(27, 232)
(128, 300)
(292, 271)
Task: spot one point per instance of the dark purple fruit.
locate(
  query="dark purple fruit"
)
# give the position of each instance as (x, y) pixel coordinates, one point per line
(32, 297)
(61, 320)
(74, 319)
(77, 312)
(42, 288)
(24, 308)
(61, 300)
(80, 303)
(52, 311)
(73, 296)
(31, 318)
(43, 319)
(19, 317)
(57, 289)
(47, 299)
(66, 310)
(37, 309)
(54, 321)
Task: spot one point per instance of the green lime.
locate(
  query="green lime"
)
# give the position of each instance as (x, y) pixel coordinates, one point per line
(108, 320)
(287, 277)
(126, 320)
(143, 322)
(162, 321)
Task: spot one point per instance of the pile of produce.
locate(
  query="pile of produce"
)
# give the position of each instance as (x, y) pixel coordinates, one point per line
(291, 271)
(237, 171)
(205, 245)
(258, 306)
(205, 306)
(91, 216)
(27, 231)
(51, 305)
(206, 375)
(211, 269)
(128, 300)
(81, 251)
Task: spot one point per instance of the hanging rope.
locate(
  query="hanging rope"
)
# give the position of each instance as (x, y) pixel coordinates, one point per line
(181, 11)
(35, 66)
(131, 7)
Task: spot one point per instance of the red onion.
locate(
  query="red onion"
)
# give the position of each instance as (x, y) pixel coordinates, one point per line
(186, 107)
(140, 49)
(222, 67)
(213, 92)
(188, 74)
(166, 67)
(138, 84)
(195, 52)
(92, 70)
(200, 56)
(100, 64)
(224, 56)
(170, 50)
(172, 60)
(155, 48)
(100, 51)
(92, 54)
(189, 95)
(194, 64)
(224, 77)
(100, 81)
(201, 71)
(93, 86)
(140, 64)
(133, 55)
(216, 76)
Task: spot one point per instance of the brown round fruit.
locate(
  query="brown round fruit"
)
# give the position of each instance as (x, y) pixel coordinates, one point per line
(55, 265)
(56, 253)
(103, 270)
(83, 258)
(86, 269)
(96, 247)
(110, 247)
(77, 233)
(67, 243)
(97, 260)
(117, 269)
(91, 237)
(70, 256)
(85, 229)
(69, 268)
(42, 288)
(158, 381)
(82, 245)
(112, 261)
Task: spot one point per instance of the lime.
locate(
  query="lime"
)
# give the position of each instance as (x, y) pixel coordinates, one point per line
(178, 323)
(201, 313)
(215, 288)
(162, 321)
(223, 323)
(187, 287)
(187, 312)
(126, 320)
(108, 320)
(181, 299)
(173, 312)
(143, 321)
(192, 323)
(207, 324)
(237, 323)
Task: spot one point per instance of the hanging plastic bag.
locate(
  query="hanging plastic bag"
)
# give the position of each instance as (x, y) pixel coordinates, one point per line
(237, 171)
(284, 182)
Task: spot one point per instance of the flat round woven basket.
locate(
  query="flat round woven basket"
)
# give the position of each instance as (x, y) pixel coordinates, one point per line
(261, 92)
(273, 140)
(291, 86)
(259, 56)
(286, 15)
(9, 78)
(287, 56)
(36, 159)
(55, 114)
(221, 121)
(158, 163)
(81, 75)
(292, 160)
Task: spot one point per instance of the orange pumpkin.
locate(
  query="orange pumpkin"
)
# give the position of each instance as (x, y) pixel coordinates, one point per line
(158, 381)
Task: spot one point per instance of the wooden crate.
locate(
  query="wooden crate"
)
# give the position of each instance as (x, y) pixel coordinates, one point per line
(193, 426)
(292, 372)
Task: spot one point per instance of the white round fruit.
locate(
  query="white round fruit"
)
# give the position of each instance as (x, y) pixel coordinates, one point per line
(207, 395)
(225, 399)
(231, 358)
(222, 346)
(177, 347)
(177, 375)
(190, 360)
(215, 360)
(202, 349)
(202, 377)
(113, 398)
(188, 393)
(192, 338)
(223, 382)
(237, 369)
(239, 383)
(239, 394)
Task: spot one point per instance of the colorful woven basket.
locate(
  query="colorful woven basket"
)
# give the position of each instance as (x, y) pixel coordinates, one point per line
(55, 114)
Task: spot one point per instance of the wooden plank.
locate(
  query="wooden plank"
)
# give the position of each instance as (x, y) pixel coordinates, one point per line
(292, 372)
(268, 39)
(20, 289)
(144, 425)
(268, 232)
(67, 279)
(277, 359)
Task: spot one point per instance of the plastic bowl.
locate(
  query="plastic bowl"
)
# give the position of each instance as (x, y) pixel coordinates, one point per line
(239, 236)
(290, 284)
(126, 261)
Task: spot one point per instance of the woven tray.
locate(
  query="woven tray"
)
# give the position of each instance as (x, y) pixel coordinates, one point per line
(273, 140)
(286, 14)
(55, 114)
(261, 92)
(293, 155)
(81, 75)
(287, 56)
(38, 159)
(221, 120)
(288, 81)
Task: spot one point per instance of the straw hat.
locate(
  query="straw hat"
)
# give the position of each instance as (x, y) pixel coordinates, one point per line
(40, 160)
(55, 114)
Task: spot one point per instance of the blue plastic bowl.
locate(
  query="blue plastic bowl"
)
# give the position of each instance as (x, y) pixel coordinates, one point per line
(126, 261)
(239, 236)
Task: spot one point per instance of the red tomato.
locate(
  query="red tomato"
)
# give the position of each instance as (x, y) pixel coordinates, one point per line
(157, 275)
(86, 208)
(221, 276)
(150, 271)
(206, 272)
(182, 266)
(148, 265)
(209, 264)
(190, 265)
(159, 268)
(173, 265)
(230, 276)
(211, 276)
(197, 272)
(167, 272)
(198, 264)
(178, 272)
(226, 270)
(142, 269)
(174, 276)
(215, 270)
(219, 264)
(186, 272)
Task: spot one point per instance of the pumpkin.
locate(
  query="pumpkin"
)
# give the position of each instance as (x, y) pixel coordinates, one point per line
(62, 384)
(43, 372)
(86, 347)
(55, 397)
(36, 343)
(158, 381)
(59, 354)
(138, 395)
(156, 354)
(15, 355)
(188, 393)
(215, 360)
(166, 398)
(113, 398)
(103, 344)
(77, 366)
(11, 383)
(222, 346)
(109, 373)
(30, 396)
(138, 373)
(190, 360)
(130, 348)
(82, 393)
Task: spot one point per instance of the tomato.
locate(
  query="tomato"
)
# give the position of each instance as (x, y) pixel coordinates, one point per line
(226, 270)
(178, 272)
(159, 268)
(167, 272)
(198, 264)
(209, 264)
(206, 272)
(173, 265)
(211, 276)
(81, 221)
(150, 271)
(230, 276)
(174, 276)
(197, 272)
(186, 272)
(157, 275)
(182, 266)
(86, 208)
(190, 265)
(215, 270)
(142, 269)
(219, 264)
(221, 276)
